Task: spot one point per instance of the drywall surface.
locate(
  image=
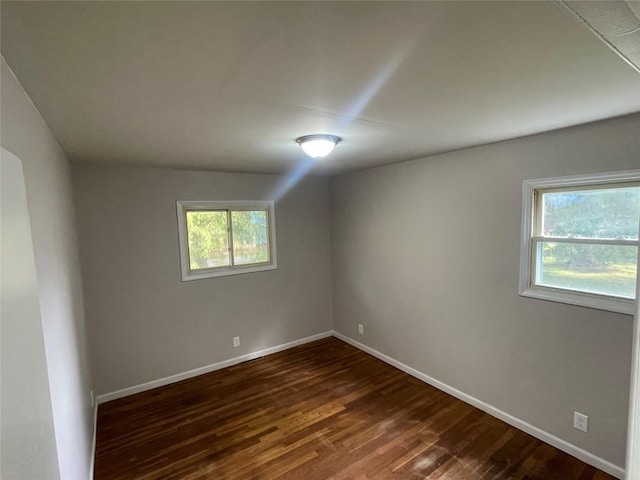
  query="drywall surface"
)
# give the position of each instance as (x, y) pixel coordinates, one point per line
(144, 322)
(49, 199)
(425, 254)
(633, 434)
(26, 427)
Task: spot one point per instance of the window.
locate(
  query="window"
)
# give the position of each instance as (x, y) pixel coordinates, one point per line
(580, 240)
(226, 238)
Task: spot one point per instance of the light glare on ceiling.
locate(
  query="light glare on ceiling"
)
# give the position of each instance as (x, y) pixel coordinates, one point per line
(318, 146)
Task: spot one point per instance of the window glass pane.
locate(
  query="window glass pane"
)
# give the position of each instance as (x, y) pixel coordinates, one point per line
(250, 237)
(208, 239)
(598, 213)
(604, 269)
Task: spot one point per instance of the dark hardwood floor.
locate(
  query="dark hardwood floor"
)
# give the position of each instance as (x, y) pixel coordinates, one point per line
(318, 411)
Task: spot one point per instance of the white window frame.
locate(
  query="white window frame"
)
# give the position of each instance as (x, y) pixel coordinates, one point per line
(527, 287)
(183, 206)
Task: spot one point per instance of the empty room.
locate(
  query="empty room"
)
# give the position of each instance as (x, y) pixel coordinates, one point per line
(320, 240)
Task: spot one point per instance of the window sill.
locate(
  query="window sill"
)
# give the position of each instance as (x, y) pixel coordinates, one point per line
(225, 272)
(609, 304)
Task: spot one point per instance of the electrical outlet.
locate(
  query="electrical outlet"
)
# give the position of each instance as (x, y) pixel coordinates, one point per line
(580, 421)
(360, 329)
(93, 400)
(236, 341)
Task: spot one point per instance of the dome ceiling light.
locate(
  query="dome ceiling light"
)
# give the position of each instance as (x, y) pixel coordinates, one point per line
(318, 146)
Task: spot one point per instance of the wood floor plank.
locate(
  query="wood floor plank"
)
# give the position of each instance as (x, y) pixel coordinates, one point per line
(318, 411)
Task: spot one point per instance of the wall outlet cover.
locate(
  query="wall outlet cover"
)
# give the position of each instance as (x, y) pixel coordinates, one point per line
(580, 421)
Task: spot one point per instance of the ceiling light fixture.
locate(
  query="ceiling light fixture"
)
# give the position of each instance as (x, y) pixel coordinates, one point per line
(318, 146)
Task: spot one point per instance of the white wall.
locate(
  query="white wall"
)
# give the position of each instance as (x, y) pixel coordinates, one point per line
(49, 198)
(426, 256)
(144, 322)
(26, 428)
(633, 433)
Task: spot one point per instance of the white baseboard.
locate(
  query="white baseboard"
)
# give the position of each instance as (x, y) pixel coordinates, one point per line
(92, 463)
(546, 437)
(206, 369)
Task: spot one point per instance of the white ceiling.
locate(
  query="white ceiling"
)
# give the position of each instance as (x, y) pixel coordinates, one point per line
(230, 85)
(617, 23)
